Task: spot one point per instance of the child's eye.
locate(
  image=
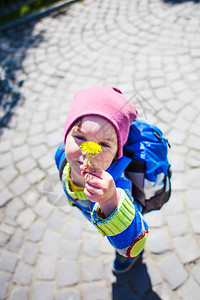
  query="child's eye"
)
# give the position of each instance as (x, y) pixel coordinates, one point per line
(104, 144)
(79, 137)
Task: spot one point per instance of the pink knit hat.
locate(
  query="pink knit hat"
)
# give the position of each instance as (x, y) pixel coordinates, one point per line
(107, 102)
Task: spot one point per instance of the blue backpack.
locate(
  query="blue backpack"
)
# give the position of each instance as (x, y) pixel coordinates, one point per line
(145, 163)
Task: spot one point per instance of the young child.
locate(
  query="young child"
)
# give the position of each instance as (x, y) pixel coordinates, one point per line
(102, 115)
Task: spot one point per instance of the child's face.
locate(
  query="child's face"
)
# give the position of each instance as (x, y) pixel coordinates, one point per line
(96, 129)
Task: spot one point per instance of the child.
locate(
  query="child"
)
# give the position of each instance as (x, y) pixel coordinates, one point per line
(102, 115)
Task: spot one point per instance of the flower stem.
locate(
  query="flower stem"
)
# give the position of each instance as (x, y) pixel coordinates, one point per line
(88, 159)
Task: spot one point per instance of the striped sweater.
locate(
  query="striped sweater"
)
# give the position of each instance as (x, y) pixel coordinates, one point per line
(125, 228)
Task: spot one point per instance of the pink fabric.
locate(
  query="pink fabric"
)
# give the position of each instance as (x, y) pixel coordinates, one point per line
(107, 102)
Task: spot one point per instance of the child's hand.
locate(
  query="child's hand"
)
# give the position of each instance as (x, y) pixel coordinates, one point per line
(100, 187)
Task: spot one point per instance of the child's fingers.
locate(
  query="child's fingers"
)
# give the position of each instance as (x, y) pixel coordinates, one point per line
(92, 171)
(92, 180)
(92, 192)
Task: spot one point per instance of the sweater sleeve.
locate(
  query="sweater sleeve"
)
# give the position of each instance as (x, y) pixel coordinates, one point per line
(125, 228)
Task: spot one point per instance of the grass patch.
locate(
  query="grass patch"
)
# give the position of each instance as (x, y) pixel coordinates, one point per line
(23, 10)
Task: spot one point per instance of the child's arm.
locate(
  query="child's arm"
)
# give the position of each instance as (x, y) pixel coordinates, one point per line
(123, 225)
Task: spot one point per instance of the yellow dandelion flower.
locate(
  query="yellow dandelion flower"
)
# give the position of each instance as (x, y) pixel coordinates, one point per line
(91, 148)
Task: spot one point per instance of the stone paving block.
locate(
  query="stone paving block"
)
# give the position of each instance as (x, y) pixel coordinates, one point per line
(92, 269)
(16, 241)
(192, 197)
(30, 253)
(94, 291)
(67, 294)
(46, 161)
(195, 273)
(189, 290)
(5, 160)
(195, 220)
(175, 205)
(50, 243)
(43, 209)
(178, 182)
(187, 248)
(153, 272)
(67, 273)
(19, 294)
(9, 230)
(177, 224)
(73, 230)
(26, 218)
(36, 231)
(8, 174)
(3, 239)
(4, 282)
(39, 151)
(70, 249)
(31, 197)
(177, 162)
(6, 196)
(154, 219)
(23, 274)
(36, 140)
(43, 291)
(45, 267)
(26, 165)
(176, 137)
(178, 276)
(106, 247)
(20, 152)
(158, 243)
(8, 261)
(14, 207)
(56, 221)
(193, 178)
(19, 186)
(91, 245)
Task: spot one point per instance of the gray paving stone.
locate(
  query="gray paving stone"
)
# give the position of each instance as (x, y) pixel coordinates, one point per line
(14, 207)
(7, 229)
(67, 273)
(6, 196)
(19, 294)
(154, 219)
(67, 294)
(175, 278)
(8, 174)
(195, 272)
(50, 243)
(19, 186)
(69, 249)
(187, 248)
(175, 205)
(158, 243)
(36, 231)
(56, 221)
(26, 218)
(189, 290)
(20, 152)
(91, 245)
(8, 261)
(5, 160)
(3, 239)
(39, 151)
(16, 241)
(92, 269)
(43, 209)
(195, 220)
(153, 272)
(30, 251)
(178, 163)
(43, 291)
(194, 178)
(73, 230)
(22, 274)
(31, 197)
(178, 182)
(192, 197)
(90, 291)
(46, 267)
(46, 162)
(26, 165)
(4, 282)
(36, 175)
(177, 224)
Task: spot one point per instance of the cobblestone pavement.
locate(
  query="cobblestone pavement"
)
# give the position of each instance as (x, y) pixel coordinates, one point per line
(147, 48)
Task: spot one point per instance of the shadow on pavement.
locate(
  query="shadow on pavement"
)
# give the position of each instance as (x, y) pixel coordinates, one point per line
(14, 44)
(134, 284)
